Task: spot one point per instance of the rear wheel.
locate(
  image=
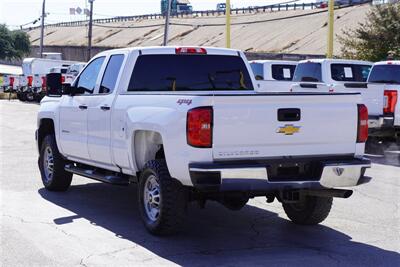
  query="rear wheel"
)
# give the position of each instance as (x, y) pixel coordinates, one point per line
(310, 210)
(51, 165)
(162, 200)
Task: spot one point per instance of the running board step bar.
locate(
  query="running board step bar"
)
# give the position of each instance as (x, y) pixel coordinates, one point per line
(92, 174)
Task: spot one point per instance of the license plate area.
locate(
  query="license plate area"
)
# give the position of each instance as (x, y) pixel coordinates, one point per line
(295, 171)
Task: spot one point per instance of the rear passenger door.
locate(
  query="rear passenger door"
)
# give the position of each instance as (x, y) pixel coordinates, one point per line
(99, 112)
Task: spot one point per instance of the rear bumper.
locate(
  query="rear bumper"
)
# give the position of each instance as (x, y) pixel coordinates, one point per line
(255, 177)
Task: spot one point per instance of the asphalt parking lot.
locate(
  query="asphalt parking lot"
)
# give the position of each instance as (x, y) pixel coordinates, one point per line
(95, 224)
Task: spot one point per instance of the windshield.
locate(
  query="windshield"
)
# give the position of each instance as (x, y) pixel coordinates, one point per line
(189, 73)
(385, 74)
(308, 72)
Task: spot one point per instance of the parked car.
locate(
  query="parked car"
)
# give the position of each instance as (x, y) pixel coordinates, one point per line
(194, 129)
(273, 75)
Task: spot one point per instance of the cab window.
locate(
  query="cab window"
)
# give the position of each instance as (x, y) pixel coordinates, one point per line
(87, 79)
(283, 72)
(258, 70)
(350, 72)
(111, 74)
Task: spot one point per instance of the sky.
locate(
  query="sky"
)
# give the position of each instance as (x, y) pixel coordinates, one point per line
(17, 12)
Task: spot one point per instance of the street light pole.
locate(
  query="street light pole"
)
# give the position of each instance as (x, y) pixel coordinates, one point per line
(42, 28)
(166, 30)
(228, 23)
(90, 30)
(329, 53)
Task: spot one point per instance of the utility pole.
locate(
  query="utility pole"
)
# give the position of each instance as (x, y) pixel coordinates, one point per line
(42, 28)
(329, 53)
(166, 30)
(228, 23)
(90, 31)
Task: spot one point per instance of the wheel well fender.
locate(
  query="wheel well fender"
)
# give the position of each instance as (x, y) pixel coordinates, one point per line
(147, 145)
(46, 127)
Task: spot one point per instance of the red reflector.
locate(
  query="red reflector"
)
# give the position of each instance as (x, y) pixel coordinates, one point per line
(190, 50)
(390, 101)
(30, 80)
(11, 81)
(199, 127)
(362, 132)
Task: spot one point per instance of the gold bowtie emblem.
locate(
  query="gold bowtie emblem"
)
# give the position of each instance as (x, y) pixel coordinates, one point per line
(288, 129)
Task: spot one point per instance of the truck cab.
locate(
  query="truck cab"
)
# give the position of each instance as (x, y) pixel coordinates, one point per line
(331, 75)
(273, 75)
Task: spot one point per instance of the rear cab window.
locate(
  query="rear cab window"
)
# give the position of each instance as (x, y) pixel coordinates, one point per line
(190, 73)
(283, 72)
(350, 72)
(308, 72)
(389, 74)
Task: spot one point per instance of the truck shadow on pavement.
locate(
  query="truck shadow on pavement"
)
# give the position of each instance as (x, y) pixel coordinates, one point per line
(215, 235)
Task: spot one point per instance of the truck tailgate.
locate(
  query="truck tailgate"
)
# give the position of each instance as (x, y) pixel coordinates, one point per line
(248, 127)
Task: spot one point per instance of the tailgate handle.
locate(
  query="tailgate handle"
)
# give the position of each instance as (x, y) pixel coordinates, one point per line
(289, 114)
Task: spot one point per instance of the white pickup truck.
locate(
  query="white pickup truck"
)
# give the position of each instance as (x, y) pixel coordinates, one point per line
(378, 85)
(273, 75)
(186, 125)
(384, 89)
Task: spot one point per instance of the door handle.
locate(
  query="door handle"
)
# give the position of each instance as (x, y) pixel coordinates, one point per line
(82, 107)
(105, 108)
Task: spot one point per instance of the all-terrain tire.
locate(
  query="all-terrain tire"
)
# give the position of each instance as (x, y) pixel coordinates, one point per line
(58, 179)
(170, 196)
(310, 211)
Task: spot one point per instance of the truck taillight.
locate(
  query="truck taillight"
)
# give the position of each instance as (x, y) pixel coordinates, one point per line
(44, 82)
(199, 127)
(390, 98)
(11, 81)
(30, 80)
(190, 50)
(62, 79)
(362, 131)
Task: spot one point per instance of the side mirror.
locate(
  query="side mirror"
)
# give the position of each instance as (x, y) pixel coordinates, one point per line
(53, 84)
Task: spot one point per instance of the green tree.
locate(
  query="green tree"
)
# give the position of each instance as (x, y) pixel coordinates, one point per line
(13, 44)
(375, 39)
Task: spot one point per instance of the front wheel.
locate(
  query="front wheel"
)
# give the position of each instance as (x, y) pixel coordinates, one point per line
(310, 210)
(51, 165)
(162, 200)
